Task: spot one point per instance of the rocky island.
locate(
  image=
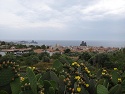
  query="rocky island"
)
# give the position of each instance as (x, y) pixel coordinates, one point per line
(33, 42)
(83, 44)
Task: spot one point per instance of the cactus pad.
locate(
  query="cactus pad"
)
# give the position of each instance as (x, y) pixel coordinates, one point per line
(8, 73)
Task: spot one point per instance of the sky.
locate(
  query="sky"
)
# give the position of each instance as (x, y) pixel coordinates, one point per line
(62, 20)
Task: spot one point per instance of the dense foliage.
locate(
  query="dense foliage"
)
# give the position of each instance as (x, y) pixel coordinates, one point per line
(68, 78)
(68, 73)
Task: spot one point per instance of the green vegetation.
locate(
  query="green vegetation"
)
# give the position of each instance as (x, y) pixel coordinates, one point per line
(61, 79)
(66, 73)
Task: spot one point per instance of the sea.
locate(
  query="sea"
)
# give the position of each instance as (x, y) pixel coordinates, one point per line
(119, 44)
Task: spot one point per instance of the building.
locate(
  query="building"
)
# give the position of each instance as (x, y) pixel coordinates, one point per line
(17, 52)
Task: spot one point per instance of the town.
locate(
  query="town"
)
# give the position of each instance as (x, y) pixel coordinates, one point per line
(12, 48)
(58, 69)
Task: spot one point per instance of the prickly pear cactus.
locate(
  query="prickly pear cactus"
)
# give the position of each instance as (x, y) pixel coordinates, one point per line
(3, 92)
(32, 79)
(26, 89)
(8, 73)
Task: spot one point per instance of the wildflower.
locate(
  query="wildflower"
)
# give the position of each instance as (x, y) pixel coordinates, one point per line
(87, 85)
(78, 89)
(77, 77)
(119, 80)
(115, 69)
(21, 78)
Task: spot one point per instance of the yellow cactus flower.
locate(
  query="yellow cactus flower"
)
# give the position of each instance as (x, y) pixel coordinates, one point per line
(78, 89)
(22, 79)
(78, 65)
(33, 68)
(41, 92)
(119, 80)
(115, 69)
(18, 74)
(104, 70)
(77, 77)
(75, 62)
(87, 85)
(29, 67)
(103, 73)
(72, 64)
(86, 68)
(82, 64)
(88, 71)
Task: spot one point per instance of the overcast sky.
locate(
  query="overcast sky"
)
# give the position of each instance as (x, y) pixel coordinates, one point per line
(62, 19)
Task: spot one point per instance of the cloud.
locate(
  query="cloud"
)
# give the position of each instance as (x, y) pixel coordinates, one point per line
(28, 14)
(55, 14)
(105, 8)
(67, 18)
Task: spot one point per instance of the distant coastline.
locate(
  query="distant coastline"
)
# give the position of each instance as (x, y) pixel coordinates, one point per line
(26, 42)
(76, 43)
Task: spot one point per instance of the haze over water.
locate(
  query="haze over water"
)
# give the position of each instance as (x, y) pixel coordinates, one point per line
(97, 43)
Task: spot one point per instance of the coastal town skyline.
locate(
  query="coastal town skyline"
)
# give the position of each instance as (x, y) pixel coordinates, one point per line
(62, 20)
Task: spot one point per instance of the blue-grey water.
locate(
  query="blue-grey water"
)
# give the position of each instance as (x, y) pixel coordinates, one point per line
(78, 42)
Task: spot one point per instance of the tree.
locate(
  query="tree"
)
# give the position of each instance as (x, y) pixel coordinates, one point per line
(100, 59)
(85, 56)
(37, 47)
(28, 61)
(56, 55)
(43, 47)
(123, 50)
(35, 59)
(29, 54)
(47, 47)
(8, 57)
(3, 43)
(67, 51)
(46, 59)
(32, 46)
(31, 60)
(63, 60)
(18, 46)
(41, 55)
